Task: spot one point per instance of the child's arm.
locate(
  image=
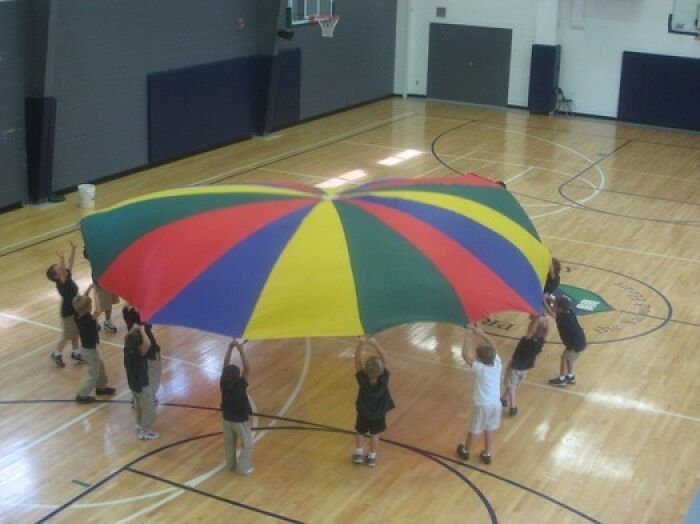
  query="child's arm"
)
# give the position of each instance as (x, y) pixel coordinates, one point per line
(71, 257)
(146, 344)
(468, 346)
(548, 308)
(244, 361)
(229, 351)
(358, 353)
(491, 342)
(380, 353)
(532, 326)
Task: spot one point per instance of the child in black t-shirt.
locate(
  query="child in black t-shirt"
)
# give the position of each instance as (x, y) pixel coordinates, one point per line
(96, 377)
(236, 411)
(523, 359)
(136, 347)
(61, 274)
(132, 317)
(572, 335)
(373, 401)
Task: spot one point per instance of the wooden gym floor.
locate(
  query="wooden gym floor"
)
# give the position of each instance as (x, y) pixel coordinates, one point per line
(619, 204)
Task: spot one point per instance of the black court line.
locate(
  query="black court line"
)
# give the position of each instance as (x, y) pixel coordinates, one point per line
(213, 496)
(234, 175)
(568, 202)
(638, 195)
(567, 131)
(313, 425)
(612, 213)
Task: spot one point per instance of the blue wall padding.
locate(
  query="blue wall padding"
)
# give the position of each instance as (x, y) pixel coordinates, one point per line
(660, 90)
(40, 126)
(204, 106)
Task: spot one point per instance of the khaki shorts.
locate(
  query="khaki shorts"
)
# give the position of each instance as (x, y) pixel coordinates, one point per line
(571, 355)
(70, 328)
(105, 298)
(485, 418)
(515, 377)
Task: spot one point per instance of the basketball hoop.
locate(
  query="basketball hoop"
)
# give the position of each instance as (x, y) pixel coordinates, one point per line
(327, 24)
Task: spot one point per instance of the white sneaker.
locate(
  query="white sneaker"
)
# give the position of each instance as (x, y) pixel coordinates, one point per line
(148, 435)
(108, 326)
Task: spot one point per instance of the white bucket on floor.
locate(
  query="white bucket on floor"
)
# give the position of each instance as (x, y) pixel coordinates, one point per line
(86, 195)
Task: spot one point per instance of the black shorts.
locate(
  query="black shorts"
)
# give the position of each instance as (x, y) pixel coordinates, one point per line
(366, 426)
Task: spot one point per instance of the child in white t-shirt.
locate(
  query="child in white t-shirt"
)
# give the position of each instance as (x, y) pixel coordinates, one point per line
(486, 365)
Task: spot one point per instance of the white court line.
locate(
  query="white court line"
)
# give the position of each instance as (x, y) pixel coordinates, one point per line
(592, 163)
(30, 353)
(394, 148)
(616, 248)
(59, 429)
(225, 174)
(193, 482)
(198, 480)
(522, 173)
(621, 403)
(302, 149)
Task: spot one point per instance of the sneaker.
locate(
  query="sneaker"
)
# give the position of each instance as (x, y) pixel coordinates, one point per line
(513, 411)
(78, 357)
(85, 400)
(109, 327)
(371, 462)
(148, 435)
(570, 379)
(462, 452)
(246, 472)
(105, 391)
(358, 458)
(486, 459)
(58, 360)
(558, 382)
(504, 403)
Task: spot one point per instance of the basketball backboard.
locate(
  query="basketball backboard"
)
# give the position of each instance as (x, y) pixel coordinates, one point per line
(305, 12)
(684, 18)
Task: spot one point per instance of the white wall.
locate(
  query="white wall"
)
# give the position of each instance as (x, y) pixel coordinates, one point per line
(591, 55)
(518, 15)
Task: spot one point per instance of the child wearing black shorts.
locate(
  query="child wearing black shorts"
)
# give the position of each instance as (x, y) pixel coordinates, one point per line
(373, 401)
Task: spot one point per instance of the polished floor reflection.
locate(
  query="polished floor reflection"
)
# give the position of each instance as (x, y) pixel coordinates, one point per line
(618, 204)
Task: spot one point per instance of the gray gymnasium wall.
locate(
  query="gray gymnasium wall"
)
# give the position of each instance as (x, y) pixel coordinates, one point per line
(13, 82)
(356, 65)
(102, 51)
(105, 50)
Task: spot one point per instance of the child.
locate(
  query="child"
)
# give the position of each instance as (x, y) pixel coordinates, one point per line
(136, 346)
(236, 411)
(105, 299)
(572, 335)
(553, 279)
(486, 417)
(373, 402)
(61, 274)
(132, 318)
(523, 359)
(96, 377)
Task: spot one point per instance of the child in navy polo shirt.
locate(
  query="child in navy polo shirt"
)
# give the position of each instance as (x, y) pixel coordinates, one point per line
(523, 359)
(373, 401)
(61, 274)
(96, 377)
(572, 335)
(236, 411)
